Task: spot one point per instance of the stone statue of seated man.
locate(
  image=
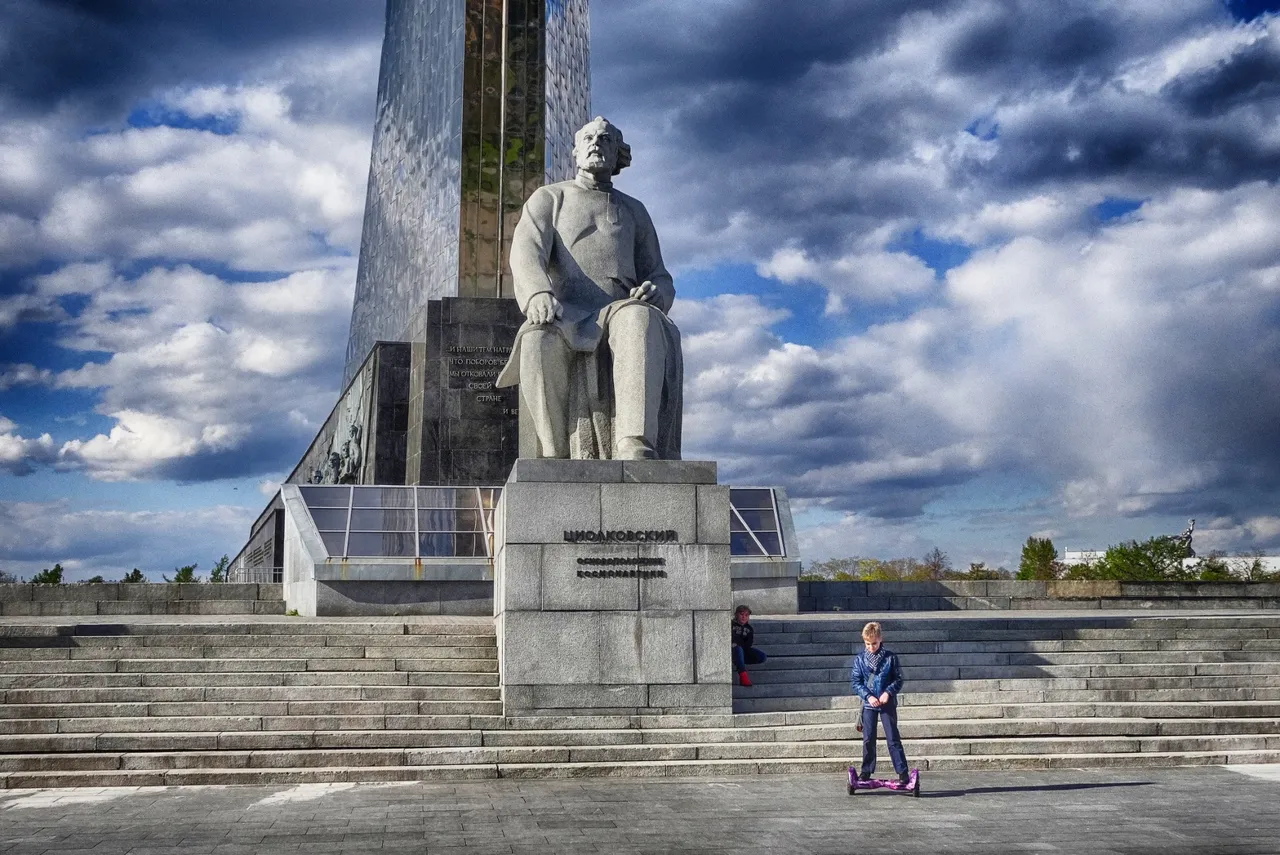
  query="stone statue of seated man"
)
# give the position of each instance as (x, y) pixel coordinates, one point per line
(597, 359)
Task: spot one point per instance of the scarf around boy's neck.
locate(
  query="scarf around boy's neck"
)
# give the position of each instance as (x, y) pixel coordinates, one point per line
(873, 659)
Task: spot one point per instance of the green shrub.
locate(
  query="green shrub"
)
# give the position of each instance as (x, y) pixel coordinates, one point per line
(1212, 568)
(134, 575)
(979, 570)
(1039, 560)
(1158, 559)
(183, 575)
(49, 576)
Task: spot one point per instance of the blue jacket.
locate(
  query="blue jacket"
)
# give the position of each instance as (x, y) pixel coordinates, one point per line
(887, 678)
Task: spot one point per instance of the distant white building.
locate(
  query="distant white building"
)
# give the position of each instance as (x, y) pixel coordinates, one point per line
(1238, 564)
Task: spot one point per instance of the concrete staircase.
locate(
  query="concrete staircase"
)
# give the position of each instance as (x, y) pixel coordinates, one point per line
(265, 700)
(1044, 692)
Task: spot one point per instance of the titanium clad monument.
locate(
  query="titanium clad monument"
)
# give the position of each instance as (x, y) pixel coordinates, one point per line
(477, 104)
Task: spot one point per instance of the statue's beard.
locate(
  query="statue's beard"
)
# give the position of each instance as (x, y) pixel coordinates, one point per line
(594, 162)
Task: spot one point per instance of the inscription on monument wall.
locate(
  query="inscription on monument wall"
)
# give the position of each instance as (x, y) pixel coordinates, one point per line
(475, 369)
(470, 430)
(622, 536)
(632, 568)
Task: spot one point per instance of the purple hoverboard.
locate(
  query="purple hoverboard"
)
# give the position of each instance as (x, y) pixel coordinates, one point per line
(911, 786)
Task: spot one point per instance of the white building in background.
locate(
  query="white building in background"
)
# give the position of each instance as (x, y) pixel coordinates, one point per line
(1238, 564)
(1083, 556)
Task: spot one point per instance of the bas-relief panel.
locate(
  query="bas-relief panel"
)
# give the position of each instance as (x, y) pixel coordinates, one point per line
(339, 457)
(363, 439)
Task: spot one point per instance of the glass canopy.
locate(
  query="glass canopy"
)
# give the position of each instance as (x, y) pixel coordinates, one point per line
(457, 522)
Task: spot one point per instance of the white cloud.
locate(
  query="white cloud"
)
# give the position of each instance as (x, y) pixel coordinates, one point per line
(23, 374)
(1200, 51)
(865, 277)
(19, 455)
(1040, 215)
(89, 542)
(200, 369)
(253, 200)
(1112, 361)
(141, 441)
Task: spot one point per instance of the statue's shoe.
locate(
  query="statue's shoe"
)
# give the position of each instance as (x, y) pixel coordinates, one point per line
(635, 448)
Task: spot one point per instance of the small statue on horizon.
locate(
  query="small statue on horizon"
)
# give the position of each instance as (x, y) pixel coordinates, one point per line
(597, 360)
(1184, 540)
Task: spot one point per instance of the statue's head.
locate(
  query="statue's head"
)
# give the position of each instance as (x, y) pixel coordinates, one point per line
(598, 147)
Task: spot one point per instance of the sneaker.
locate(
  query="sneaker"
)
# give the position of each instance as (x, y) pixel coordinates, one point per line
(743, 679)
(864, 775)
(904, 778)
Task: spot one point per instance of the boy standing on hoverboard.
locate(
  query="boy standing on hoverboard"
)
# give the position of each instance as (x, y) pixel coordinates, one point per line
(877, 679)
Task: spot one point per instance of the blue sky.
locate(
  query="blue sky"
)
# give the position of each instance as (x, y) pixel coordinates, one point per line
(954, 272)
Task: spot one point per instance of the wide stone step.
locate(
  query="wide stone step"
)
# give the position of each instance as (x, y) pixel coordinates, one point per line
(929, 639)
(933, 627)
(204, 709)
(113, 608)
(426, 717)
(192, 694)
(979, 729)
(642, 769)
(16, 654)
(249, 679)
(913, 650)
(1019, 680)
(196, 666)
(218, 639)
(961, 660)
(1029, 701)
(61, 743)
(920, 676)
(239, 666)
(845, 750)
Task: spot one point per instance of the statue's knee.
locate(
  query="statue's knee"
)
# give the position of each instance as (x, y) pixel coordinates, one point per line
(632, 319)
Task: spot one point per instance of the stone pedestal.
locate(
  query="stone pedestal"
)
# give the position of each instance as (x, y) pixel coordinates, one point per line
(612, 588)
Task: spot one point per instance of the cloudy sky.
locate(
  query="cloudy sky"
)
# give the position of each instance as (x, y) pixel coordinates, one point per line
(952, 272)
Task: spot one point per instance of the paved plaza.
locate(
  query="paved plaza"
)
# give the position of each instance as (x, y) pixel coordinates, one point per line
(1203, 810)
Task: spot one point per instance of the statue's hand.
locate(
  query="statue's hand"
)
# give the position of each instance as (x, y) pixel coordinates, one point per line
(645, 291)
(543, 308)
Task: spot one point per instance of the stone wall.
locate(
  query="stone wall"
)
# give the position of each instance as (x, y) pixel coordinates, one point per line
(140, 598)
(1012, 594)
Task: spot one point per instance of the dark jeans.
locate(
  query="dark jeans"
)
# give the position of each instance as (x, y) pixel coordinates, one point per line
(889, 715)
(742, 657)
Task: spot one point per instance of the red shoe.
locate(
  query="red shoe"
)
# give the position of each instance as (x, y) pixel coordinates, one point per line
(743, 679)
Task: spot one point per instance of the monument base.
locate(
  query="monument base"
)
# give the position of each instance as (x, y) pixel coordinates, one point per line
(612, 588)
